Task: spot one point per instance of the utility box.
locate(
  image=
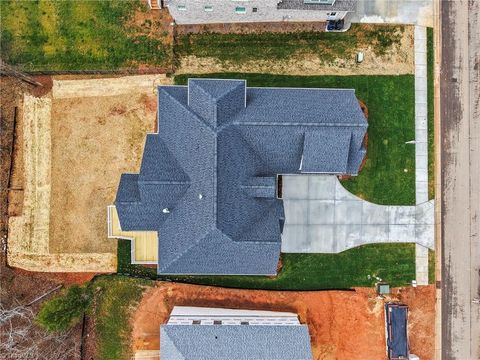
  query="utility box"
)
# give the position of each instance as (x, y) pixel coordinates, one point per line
(359, 57)
(383, 289)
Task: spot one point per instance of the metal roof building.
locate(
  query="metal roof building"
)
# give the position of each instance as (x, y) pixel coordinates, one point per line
(208, 179)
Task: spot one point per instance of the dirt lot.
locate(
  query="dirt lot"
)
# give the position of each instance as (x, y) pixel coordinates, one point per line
(94, 140)
(76, 142)
(249, 28)
(342, 324)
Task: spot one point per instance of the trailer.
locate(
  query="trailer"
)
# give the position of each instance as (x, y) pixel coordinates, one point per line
(396, 332)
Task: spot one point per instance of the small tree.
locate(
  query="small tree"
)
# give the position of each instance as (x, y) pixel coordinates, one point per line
(62, 312)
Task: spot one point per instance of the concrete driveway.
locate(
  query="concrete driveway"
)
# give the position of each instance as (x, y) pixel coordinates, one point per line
(323, 217)
(418, 12)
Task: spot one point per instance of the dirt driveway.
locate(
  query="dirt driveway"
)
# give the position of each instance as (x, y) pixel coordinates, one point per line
(342, 324)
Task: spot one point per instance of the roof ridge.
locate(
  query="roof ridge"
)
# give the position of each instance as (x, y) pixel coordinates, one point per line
(187, 107)
(233, 88)
(187, 249)
(172, 342)
(163, 182)
(258, 123)
(258, 219)
(250, 147)
(195, 243)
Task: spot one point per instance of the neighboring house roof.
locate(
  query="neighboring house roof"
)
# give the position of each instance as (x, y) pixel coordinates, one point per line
(338, 5)
(237, 342)
(207, 182)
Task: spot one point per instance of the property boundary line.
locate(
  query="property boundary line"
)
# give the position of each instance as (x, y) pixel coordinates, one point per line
(4, 229)
(12, 147)
(100, 72)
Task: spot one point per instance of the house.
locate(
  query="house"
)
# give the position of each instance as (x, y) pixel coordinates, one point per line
(194, 333)
(235, 11)
(208, 182)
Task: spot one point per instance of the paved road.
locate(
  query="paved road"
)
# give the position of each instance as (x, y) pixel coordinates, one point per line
(460, 131)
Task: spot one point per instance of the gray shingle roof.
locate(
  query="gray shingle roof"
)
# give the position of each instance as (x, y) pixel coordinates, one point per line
(214, 162)
(332, 157)
(241, 342)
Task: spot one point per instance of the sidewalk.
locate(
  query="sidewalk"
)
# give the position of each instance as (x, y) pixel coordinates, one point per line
(421, 142)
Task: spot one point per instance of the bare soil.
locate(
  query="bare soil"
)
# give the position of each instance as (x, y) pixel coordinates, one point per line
(11, 94)
(398, 60)
(73, 145)
(94, 140)
(342, 324)
(155, 24)
(421, 320)
(249, 28)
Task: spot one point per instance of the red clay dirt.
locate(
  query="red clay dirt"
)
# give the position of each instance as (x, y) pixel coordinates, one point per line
(421, 318)
(342, 324)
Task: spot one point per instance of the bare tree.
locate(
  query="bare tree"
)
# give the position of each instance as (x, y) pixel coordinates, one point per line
(22, 339)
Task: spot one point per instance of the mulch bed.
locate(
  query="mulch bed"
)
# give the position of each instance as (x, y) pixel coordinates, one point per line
(249, 28)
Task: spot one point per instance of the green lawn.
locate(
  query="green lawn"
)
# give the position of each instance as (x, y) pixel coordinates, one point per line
(115, 297)
(240, 48)
(394, 263)
(431, 266)
(78, 35)
(389, 173)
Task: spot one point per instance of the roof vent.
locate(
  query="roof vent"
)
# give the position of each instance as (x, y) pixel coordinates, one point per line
(166, 211)
(200, 196)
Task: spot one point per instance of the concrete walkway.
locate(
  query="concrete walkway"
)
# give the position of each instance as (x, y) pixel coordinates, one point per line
(421, 142)
(421, 130)
(323, 217)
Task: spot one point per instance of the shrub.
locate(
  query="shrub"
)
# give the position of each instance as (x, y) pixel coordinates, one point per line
(64, 311)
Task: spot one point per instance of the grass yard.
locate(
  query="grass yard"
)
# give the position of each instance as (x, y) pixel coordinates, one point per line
(115, 297)
(81, 35)
(389, 173)
(431, 266)
(394, 263)
(240, 48)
